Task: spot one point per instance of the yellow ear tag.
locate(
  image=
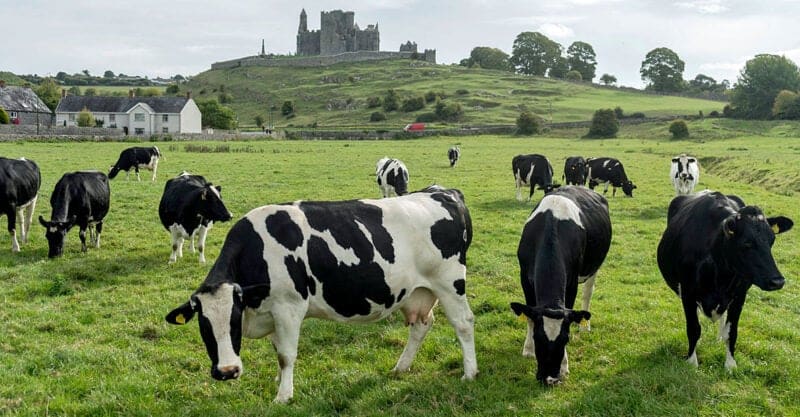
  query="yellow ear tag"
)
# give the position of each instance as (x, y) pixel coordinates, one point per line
(776, 229)
(179, 319)
(522, 317)
(584, 322)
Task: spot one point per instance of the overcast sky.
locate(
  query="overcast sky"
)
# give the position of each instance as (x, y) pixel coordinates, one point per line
(168, 37)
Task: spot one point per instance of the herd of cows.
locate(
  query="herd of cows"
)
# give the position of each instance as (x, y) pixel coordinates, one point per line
(361, 260)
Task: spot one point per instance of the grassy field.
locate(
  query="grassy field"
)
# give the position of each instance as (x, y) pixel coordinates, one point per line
(85, 335)
(337, 95)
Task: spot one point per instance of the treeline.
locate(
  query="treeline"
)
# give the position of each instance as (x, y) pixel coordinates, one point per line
(85, 78)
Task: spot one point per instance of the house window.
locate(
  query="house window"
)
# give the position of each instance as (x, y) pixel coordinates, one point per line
(138, 117)
(112, 118)
(165, 118)
(12, 115)
(72, 117)
(164, 130)
(139, 131)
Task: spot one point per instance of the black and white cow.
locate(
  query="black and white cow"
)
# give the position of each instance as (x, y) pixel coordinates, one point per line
(349, 261)
(684, 174)
(136, 158)
(19, 188)
(713, 250)
(392, 176)
(453, 154)
(609, 171)
(80, 198)
(532, 170)
(189, 207)
(564, 242)
(575, 171)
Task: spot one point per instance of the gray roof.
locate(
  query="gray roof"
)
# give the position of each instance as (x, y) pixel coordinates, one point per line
(21, 99)
(100, 104)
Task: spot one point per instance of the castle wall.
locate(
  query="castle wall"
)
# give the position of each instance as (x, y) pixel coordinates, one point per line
(308, 43)
(323, 60)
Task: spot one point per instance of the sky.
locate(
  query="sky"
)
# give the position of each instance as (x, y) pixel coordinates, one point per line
(162, 38)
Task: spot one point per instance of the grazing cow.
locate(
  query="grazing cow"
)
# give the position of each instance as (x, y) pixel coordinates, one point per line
(532, 170)
(19, 188)
(189, 207)
(80, 198)
(392, 176)
(350, 261)
(453, 154)
(713, 250)
(684, 173)
(564, 242)
(575, 171)
(609, 170)
(136, 158)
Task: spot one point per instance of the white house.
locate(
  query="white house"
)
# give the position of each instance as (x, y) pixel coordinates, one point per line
(134, 115)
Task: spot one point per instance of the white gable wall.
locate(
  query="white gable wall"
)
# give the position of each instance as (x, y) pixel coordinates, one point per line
(190, 120)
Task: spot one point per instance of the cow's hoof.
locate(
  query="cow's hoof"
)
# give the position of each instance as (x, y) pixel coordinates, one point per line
(469, 376)
(282, 400)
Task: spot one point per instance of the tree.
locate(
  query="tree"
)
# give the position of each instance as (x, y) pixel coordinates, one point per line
(608, 79)
(377, 116)
(559, 69)
(702, 82)
(527, 124)
(85, 118)
(4, 119)
(534, 53)
(449, 112)
(413, 104)
(581, 58)
(663, 70)
(225, 98)
(604, 124)
(216, 116)
(49, 92)
(488, 58)
(287, 108)
(86, 73)
(179, 78)
(574, 75)
(373, 102)
(61, 76)
(391, 101)
(74, 90)
(259, 119)
(679, 129)
(787, 105)
(90, 92)
(108, 74)
(172, 89)
(760, 81)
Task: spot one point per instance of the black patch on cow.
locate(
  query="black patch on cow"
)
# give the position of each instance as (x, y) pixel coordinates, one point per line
(447, 234)
(284, 230)
(347, 288)
(340, 219)
(241, 261)
(460, 285)
(401, 295)
(297, 271)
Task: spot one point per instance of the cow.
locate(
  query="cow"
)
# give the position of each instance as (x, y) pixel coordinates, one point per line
(19, 189)
(575, 171)
(136, 158)
(532, 170)
(453, 154)
(80, 198)
(609, 170)
(713, 250)
(189, 207)
(392, 176)
(684, 174)
(350, 261)
(564, 242)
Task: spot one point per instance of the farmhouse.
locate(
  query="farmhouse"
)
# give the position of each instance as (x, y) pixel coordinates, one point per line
(134, 115)
(23, 106)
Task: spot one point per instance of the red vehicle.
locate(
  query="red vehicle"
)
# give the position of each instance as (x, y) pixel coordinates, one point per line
(414, 127)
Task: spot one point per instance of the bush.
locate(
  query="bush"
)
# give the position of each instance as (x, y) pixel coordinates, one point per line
(713, 113)
(99, 122)
(449, 112)
(619, 113)
(4, 119)
(636, 115)
(226, 98)
(287, 108)
(377, 116)
(391, 101)
(727, 111)
(462, 92)
(413, 104)
(373, 102)
(215, 115)
(173, 89)
(787, 106)
(259, 119)
(432, 96)
(604, 124)
(427, 117)
(527, 124)
(679, 129)
(85, 118)
(574, 76)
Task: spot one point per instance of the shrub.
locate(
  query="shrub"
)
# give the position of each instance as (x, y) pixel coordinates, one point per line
(413, 104)
(713, 113)
(85, 118)
(225, 98)
(173, 89)
(727, 111)
(373, 102)
(619, 113)
(4, 119)
(574, 76)
(462, 92)
(377, 116)
(391, 101)
(527, 124)
(99, 122)
(259, 119)
(432, 96)
(449, 111)
(636, 115)
(287, 108)
(604, 124)
(787, 105)
(679, 129)
(427, 117)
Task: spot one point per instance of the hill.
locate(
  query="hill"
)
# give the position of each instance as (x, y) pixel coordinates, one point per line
(10, 78)
(337, 95)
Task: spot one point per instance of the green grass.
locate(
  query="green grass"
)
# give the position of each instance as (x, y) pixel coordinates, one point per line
(85, 335)
(493, 97)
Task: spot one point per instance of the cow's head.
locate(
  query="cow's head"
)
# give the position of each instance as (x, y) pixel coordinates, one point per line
(55, 233)
(749, 236)
(682, 166)
(628, 187)
(550, 337)
(219, 310)
(211, 205)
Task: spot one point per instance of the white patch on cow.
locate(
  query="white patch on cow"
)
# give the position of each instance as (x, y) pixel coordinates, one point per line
(679, 291)
(561, 207)
(692, 359)
(588, 289)
(715, 315)
(217, 308)
(552, 328)
(724, 330)
(529, 348)
(216, 192)
(605, 163)
(52, 229)
(730, 362)
(564, 371)
(685, 179)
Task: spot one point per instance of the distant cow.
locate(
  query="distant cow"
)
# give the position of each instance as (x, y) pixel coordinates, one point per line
(453, 154)
(564, 242)
(19, 188)
(392, 176)
(349, 261)
(532, 170)
(609, 171)
(575, 171)
(189, 207)
(713, 250)
(136, 158)
(79, 198)
(684, 174)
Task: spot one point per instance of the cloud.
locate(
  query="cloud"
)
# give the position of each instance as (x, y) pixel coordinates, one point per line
(556, 30)
(539, 20)
(704, 6)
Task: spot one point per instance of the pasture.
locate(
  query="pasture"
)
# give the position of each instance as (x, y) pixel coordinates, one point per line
(85, 334)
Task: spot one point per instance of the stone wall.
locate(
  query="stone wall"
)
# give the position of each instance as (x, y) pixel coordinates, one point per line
(319, 61)
(30, 130)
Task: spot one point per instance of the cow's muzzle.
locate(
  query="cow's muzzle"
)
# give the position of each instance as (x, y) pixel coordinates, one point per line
(226, 372)
(774, 284)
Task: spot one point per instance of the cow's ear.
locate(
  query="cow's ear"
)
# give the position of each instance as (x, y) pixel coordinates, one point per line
(676, 159)
(692, 160)
(578, 316)
(780, 224)
(219, 188)
(729, 226)
(43, 222)
(253, 295)
(181, 315)
(520, 309)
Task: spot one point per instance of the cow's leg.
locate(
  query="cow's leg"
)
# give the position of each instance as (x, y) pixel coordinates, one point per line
(28, 219)
(82, 234)
(518, 184)
(613, 191)
(529, 348)
(136, 168)
(732, 327)
(418, 311)
(98, 229)
(605, 188)
(457, 310)
(586, 298)
(177, 243)
(12, 229)
(564, 371)
(692, 326)
(127, 175)
(202, 232)
(155, 168)
(288, 318)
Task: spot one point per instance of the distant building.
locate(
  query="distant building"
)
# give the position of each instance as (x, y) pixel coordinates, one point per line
(338, 33)
(23, 106)
(134, 115)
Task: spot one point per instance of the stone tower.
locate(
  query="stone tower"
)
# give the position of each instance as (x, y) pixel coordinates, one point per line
(303, 22)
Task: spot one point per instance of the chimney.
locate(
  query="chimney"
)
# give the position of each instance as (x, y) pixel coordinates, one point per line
(2, 83)
(63, 92)
(188, 95)
(131, 94)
